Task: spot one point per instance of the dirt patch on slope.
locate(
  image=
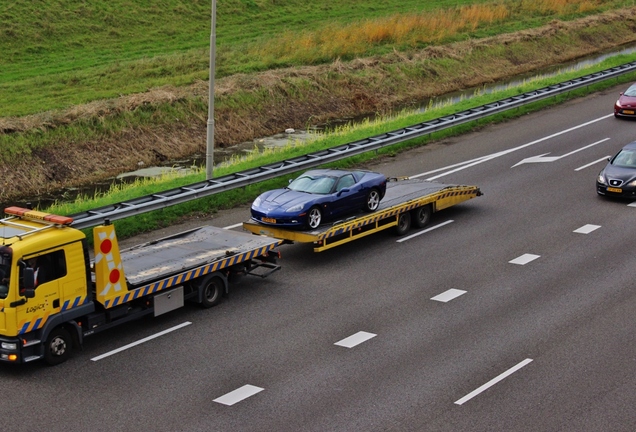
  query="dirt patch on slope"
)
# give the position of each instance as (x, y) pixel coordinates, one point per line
(294, 98)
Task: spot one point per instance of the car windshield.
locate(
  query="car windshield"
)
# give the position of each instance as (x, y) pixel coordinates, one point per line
(315, 185)
(631, 91)
(625, 158)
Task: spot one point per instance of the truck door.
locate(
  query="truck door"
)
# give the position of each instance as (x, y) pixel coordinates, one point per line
(49, 268)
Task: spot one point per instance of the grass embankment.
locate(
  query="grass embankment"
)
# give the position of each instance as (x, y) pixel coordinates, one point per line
(204, 207)
(57, 54)
(404, 52)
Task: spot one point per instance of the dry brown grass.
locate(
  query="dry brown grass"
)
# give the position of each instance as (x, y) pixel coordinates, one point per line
(299, 97)
(406, 29)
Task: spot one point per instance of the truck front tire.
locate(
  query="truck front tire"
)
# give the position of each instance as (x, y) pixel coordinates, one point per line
(58, 346)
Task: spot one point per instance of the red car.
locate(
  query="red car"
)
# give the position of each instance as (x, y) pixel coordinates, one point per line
(625, 106)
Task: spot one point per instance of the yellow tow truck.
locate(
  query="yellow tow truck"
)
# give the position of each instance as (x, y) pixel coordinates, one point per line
(53, 294)
(407, 202)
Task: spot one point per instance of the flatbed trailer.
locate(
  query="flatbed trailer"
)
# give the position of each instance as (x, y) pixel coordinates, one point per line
(53, 294)
(406, 202)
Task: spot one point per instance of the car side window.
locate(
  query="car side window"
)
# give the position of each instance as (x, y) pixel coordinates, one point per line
(345, 182)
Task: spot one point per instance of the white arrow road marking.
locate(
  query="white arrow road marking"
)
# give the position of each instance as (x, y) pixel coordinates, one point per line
(544, 158)
(470, 163)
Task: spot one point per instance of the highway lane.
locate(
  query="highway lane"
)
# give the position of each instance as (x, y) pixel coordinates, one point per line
(563, 319)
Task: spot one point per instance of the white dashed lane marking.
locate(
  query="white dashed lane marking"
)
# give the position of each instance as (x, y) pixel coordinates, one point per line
(355, 339)
(238, 395)
(449, 295)
(586, 229)
(492, 382)
(524, 259)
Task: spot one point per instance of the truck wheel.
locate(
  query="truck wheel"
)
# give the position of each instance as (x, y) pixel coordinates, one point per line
(58, 346)
(373, 200)
(422, 216)
(212, 292)
(404, 223)
(314, 217)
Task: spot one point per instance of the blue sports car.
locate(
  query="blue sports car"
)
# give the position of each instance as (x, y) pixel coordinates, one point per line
(318, 196)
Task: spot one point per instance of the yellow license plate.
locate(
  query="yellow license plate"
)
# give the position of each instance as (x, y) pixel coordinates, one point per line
(628, 111)
(615, 190)
(269, 220)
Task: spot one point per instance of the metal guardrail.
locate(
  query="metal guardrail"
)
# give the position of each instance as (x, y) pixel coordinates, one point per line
(244, 178)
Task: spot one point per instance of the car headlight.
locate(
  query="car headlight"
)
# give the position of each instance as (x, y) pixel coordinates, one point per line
(632, 183)
(618, 103)
(257, 202)
(601, 178)
(295, 208)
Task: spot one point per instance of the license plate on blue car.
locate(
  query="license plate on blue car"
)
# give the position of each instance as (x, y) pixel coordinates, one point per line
(268, 220)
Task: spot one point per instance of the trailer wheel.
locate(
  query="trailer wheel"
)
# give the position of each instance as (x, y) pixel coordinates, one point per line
(58, 346)
(314, 216)
(373, 200)
(213, 288)
(404, 223)
(422, 216)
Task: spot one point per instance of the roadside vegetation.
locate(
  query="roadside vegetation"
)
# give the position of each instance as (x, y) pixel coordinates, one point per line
(93, 89)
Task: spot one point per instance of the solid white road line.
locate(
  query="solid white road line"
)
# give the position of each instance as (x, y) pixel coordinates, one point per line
(187, 323)
(238, 395)
(603, 159)
(355, 339)
(449, 295)
(586, 229)
(492, 382)
(402, 239)
(233, 226)
(524, 259)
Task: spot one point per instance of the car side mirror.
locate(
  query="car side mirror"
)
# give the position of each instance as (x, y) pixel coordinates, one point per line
(341, 191)
(29, 293)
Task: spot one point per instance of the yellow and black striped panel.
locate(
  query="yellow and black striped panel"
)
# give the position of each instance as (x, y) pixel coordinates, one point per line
(188, 275)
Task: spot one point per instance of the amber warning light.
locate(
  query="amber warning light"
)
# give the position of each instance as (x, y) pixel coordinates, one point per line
(38, 215)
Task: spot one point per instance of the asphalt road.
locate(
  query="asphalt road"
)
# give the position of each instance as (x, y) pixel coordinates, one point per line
(516, 313)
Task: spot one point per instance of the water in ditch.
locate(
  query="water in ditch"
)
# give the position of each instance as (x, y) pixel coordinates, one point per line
(290, 136)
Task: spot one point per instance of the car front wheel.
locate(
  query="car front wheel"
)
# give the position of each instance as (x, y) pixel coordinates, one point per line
(314, 216)
(373, 200)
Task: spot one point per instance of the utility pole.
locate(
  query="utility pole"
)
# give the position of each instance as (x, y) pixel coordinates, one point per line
(209, 155)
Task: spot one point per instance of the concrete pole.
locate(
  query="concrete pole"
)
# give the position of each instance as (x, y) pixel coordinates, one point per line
(209, 156)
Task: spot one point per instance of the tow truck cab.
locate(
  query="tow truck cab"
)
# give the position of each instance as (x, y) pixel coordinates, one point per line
(44, 265)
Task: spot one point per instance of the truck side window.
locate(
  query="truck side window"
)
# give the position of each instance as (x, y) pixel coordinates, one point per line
(49, 267)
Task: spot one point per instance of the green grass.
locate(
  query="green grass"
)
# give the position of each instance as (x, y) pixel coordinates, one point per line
(56, 54)
(208, 205)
